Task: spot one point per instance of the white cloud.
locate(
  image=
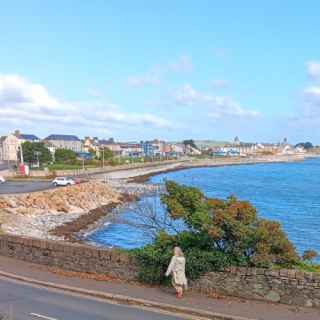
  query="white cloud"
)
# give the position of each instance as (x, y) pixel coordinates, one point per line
(217, 106)
(313, 69)
(24, 102)
(15, 89)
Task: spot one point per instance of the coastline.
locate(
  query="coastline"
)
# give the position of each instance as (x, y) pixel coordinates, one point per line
(127, 185)
(138, 179)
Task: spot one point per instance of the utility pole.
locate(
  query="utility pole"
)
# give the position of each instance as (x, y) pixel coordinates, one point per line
(102, 157)
(38, 153)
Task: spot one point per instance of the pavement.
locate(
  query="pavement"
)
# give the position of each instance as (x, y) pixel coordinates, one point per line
(14, 187)
(132, 293)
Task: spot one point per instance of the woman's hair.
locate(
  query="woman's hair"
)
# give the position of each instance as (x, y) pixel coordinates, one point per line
(178, 252)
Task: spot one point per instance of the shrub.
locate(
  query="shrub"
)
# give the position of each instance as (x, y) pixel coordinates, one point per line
(65, 156)
(153, 260)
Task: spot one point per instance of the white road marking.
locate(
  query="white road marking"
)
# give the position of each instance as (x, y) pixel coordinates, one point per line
(40, 316)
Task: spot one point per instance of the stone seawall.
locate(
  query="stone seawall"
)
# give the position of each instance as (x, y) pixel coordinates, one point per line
(291, 287)
(284, 286)
(68, 256)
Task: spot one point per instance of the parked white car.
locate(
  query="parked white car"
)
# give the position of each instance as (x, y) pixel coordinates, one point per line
(63, 181)
(2, 180)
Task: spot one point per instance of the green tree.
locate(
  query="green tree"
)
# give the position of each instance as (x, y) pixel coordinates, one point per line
(34, 151)
(190, 142)
(65, 156)
(106, 153)
(215, 234)
(229, 226)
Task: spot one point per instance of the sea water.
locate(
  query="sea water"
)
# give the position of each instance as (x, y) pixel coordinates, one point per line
(286, 192)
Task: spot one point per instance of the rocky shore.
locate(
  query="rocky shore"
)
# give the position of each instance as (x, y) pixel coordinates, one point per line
(38, 214)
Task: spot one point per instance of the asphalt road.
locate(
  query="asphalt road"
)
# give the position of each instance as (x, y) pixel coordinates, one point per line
(26, 302)
(22, 187)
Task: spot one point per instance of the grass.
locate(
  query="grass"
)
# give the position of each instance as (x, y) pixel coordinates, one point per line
(63, 166)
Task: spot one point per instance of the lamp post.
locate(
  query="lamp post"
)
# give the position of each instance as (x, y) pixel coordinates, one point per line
(21, 153)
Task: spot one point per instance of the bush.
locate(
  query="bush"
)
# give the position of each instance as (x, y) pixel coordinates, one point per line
(153, 260)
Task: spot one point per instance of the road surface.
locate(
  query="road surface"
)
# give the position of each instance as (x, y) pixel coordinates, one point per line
(27, 302)
(23, 187)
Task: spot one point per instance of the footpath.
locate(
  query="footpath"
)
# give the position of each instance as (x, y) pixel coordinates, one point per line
(164, 298)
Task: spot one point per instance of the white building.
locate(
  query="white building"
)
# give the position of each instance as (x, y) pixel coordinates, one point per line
(62, 141)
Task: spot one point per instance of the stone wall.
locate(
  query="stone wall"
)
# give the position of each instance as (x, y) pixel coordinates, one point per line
(68, 256)
(285, 286)
(291, 287)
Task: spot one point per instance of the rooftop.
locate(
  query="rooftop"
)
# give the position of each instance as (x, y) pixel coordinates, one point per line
(30, 137)
(63, 137)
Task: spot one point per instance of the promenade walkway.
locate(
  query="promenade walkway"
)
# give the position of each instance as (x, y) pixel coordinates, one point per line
(228, 306)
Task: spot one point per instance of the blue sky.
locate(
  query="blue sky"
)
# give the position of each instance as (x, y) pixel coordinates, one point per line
(169, 69)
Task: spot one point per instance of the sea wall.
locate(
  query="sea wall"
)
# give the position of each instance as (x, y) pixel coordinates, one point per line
(284, 286)
(291, 287)
(68, 256)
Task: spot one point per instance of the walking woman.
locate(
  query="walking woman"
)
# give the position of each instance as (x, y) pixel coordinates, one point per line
(177, 270)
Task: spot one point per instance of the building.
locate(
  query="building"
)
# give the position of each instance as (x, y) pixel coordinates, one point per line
(62, 141)
(177, 150)
(147, 148)
(23, 137)
(131, 149)
(9, 147)
(155, 148)
(114, 147)
(91, 144)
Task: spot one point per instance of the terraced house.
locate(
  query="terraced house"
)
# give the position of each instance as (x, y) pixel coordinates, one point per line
(63, 141)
